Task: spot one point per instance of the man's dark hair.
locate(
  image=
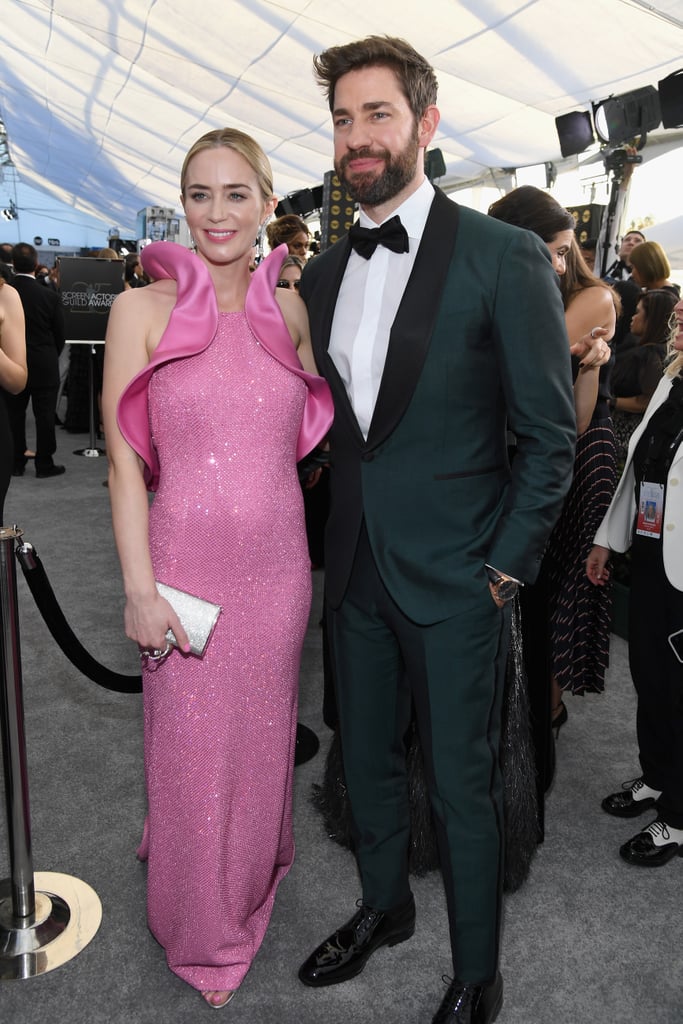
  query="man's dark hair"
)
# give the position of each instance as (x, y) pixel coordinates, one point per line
(415, 75)
(24, 258)
(5, 252)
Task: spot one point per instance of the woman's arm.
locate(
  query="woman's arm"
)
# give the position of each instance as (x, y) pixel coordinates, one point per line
(296, 317)
(632, 403)
(147, 616)
(590, 308)
(13, 372)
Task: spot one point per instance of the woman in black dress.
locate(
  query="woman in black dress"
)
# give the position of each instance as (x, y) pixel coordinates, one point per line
(638, 366)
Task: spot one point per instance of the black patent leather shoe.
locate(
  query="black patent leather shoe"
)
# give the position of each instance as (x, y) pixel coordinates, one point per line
(624, 803)
(471, 1004)
(346, 952)
(650, 848)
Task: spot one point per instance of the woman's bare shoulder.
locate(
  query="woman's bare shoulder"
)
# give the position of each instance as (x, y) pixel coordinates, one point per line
(158, 295)
(9, 299)
(593, 297)
(142, 313)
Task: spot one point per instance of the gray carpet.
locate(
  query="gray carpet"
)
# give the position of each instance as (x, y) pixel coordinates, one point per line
(586, 939)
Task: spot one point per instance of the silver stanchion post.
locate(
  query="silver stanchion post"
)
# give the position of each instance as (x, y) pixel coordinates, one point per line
(47, 918)
(92, 452)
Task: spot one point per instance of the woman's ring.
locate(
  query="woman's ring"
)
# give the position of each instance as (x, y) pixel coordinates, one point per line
(154, 653)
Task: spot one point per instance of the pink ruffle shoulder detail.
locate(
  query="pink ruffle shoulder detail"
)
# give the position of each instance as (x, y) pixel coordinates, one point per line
(191, 329)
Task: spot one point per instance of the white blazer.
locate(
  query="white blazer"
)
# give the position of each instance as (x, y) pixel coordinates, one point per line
(616, 529)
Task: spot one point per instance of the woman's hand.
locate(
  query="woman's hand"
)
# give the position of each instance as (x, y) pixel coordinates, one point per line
(597, 570)
(148, 620)
(592, 350)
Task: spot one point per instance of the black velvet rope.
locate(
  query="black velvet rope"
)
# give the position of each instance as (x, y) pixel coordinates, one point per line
(61, 631)
(34, 573)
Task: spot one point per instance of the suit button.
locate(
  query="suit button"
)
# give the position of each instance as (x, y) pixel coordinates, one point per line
(368, 457)
(670, 526)
(673, 482)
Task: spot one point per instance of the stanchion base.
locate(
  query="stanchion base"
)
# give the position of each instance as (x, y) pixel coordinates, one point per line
(67, 916)
(90, 453)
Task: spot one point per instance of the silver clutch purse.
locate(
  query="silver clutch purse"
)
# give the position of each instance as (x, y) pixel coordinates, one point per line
(198, 617)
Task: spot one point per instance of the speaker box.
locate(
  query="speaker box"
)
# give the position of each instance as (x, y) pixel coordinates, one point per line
(588, 220)
(337, 212)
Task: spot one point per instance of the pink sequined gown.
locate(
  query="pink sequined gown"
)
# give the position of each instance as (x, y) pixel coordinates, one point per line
(227, 523)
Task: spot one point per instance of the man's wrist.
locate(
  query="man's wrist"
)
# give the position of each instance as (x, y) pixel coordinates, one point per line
(504, 587)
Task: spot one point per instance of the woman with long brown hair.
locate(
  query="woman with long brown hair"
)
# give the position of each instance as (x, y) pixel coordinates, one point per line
(579, 615)
(639, 365)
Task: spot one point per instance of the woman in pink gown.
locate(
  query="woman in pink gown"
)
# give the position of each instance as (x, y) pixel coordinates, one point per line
(210, 399)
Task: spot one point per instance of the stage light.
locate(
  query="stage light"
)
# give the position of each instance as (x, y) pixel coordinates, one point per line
(671, 100)
(435, 165)
(575, 132)
(303, 202)
(619, 119)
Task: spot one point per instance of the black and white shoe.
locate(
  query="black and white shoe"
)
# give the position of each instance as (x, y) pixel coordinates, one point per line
(654, 846)
(633, 799)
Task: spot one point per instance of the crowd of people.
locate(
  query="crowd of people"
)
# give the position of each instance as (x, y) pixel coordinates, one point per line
(405, 348)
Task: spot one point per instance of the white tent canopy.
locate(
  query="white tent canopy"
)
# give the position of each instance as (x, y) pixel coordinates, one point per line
(102, 99)
(669, 234)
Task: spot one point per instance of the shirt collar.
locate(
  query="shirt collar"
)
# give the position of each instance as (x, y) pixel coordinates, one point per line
(413, 211)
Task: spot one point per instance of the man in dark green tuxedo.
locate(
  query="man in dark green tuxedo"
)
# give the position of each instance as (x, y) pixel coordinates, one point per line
(436, 338)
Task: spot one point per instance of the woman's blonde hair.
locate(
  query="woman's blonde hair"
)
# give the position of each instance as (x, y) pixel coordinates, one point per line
(675, 366)
(650, 261)
(232, 138)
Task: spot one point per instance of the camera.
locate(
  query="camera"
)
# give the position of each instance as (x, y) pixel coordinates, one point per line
(617, 159)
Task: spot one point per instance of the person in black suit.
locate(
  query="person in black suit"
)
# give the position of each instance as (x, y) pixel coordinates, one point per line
(437, 328)
(45, 337)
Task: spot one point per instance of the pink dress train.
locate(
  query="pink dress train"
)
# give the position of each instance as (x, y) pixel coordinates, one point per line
(227, 524)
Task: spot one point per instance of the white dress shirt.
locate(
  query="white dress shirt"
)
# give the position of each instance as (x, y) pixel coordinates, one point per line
(368, 300)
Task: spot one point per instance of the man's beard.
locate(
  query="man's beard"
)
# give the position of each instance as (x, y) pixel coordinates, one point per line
(372, 189)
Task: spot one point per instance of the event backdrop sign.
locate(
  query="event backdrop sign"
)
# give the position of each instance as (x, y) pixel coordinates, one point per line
(88, 286)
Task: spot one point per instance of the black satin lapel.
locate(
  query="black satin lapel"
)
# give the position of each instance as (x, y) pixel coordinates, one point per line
(321, 300)
(416, 317)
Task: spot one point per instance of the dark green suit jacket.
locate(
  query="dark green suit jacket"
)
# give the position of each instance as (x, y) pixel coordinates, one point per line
(478, 346)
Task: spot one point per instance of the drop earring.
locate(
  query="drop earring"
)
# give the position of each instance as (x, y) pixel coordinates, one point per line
(259, 245)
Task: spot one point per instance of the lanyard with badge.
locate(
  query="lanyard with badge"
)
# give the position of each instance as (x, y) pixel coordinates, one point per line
(661, 451)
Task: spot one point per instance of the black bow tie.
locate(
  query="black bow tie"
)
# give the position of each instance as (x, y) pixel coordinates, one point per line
(392, 235)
